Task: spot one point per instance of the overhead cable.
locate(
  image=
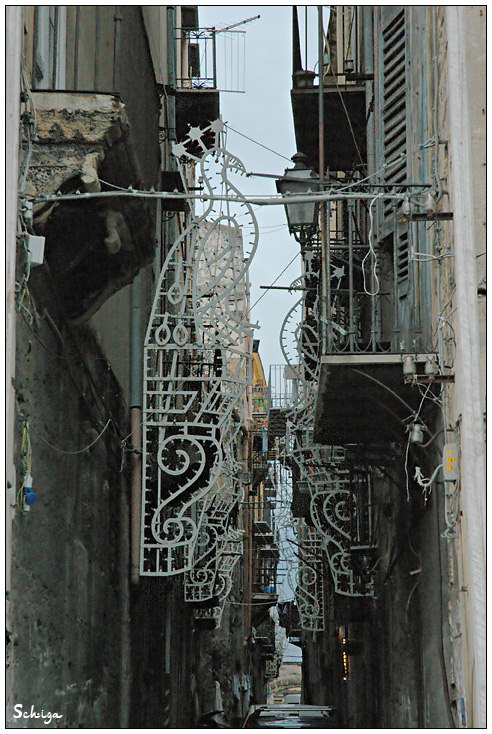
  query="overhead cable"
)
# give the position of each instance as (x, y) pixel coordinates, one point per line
(258, 143)
(79, 451)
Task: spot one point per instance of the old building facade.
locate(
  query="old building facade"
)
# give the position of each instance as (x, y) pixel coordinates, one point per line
(163, 494)
(96, 632)
(383, 473)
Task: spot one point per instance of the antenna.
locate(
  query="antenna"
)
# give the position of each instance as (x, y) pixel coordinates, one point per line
(235, 25)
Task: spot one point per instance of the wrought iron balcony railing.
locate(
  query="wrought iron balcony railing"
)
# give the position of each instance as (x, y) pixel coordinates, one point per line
(198, 50)
(377, 290)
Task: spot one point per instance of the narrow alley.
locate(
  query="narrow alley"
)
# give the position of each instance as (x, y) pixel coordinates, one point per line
(245, 366)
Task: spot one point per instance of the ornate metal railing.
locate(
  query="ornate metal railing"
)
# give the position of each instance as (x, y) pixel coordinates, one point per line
(375, 285)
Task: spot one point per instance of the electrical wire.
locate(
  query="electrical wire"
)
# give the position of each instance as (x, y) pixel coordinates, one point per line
(425, 483)
(79, 451)
(22, 288)
(31, 134)
(26, 454)
(371, 251)
(273, 283)
(415, 418)
(396, 162)
(252, 140)
(103, 409)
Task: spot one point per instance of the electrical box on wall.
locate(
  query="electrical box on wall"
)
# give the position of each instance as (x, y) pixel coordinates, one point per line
(35, 245)
(450, 469)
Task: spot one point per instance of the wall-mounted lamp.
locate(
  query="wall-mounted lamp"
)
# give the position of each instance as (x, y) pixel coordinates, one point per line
(302, 218)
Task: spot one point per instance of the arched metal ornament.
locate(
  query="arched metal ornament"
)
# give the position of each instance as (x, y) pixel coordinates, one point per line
(226, 563)
(310, 579)
(197, 365)
(340, 506)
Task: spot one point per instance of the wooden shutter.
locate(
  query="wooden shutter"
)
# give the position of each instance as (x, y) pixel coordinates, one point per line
(394, 99)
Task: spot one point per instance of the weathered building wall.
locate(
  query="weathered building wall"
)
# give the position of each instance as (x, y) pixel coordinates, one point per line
(165, 637)
(141, 99)
(162, 657)
(415, 667)
(69, 595)
(463, 309)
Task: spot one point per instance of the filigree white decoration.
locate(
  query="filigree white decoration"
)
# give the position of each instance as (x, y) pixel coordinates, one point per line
(213, 537)
(310, 580)
(197, 365)
(324, 472)
(226, 563)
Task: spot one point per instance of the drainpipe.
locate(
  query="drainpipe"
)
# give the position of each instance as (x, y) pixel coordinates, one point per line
(325, 255)
(117, 19)
(171, 71)
(367, 20)
(171, 165)
(136, 379)
(170, 233)
(467, 355)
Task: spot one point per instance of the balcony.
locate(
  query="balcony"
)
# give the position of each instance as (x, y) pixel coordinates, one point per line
(344, 107)
(265, 560)
(196, 93)
(94, 246)
(340, 102)
(264, 591)
(364, 399)
(259, 459)
(282, 394)
(377, 334)
(289, 620)
(262, 532)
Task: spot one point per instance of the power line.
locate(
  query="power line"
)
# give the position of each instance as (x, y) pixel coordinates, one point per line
(79, 451)
(271, 284)
(258, 143)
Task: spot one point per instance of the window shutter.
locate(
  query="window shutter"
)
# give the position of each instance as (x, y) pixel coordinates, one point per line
(402, 261)
(394, 117)
(394, 100)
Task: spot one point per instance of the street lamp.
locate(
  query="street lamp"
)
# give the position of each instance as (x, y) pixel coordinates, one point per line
(301, 218)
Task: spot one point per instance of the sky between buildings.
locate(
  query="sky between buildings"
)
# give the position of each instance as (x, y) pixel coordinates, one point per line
(263, 113)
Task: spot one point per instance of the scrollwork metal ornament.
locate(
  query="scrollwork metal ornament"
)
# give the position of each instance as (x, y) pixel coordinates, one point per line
(197, 365)
(336, 506)
(310, 580)
(226, 563)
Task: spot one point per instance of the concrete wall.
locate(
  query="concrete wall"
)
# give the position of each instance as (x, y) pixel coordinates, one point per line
(476, 72)
(112, 326)
(176, 667)
(463, 673)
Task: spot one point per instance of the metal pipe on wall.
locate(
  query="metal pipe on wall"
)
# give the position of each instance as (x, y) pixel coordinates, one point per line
(325, 255)
(136, 379)
(368, 37)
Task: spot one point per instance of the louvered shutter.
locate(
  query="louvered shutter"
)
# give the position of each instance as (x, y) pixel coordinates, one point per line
(394, 123)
